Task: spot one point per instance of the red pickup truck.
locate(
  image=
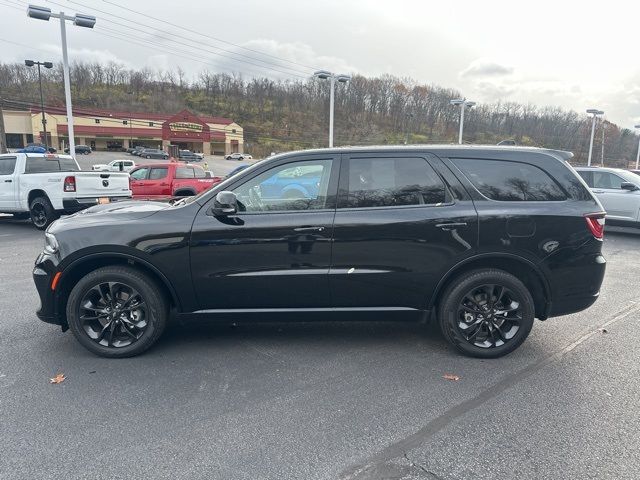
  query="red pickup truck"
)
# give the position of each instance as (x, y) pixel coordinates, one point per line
(167, 180)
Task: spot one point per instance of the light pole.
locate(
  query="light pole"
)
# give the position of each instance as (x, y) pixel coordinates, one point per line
(595, 112)
(31, 63)
(333, 78)
(638, 155)
(464, 103)
(409, 117)
(80, 20)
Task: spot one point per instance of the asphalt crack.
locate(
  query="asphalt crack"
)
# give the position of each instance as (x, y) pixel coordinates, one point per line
(398, 449)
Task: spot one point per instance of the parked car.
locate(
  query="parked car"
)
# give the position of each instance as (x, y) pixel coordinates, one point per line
(482, 239)
(115, 166)
(80, 149)
(637, 172)
(168, 180)
(36, 148)
(239, 156)
(619, 192)
(188, 156)
(138, 150)
(199, 155)
(44, 186)
(153, 153)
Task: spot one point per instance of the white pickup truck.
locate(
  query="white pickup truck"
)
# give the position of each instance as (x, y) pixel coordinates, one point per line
(43, 186)
(115, 166)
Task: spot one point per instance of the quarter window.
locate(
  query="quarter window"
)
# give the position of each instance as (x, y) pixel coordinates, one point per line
(7, 166)
(291, 187)
(510, 181)
(392, 182)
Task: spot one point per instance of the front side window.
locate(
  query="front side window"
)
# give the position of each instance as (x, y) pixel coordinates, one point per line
(7, 165)
(510, 181)
(199, 172)
(158, 173)
(607, 180)
(392, 182)
(290, 187)
(140, 174)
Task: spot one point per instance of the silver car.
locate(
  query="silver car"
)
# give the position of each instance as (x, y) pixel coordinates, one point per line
(619, 192)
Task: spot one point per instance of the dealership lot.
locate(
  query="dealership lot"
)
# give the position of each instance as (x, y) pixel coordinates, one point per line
(320, 401)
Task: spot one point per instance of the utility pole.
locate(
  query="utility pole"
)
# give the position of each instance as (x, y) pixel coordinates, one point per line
(602, 157)
(3, 135)
(595, 112)
(409, 116)
(464, 103)
(31, 63)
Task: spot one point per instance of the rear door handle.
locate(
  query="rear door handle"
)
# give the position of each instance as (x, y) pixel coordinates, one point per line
(308, 229)
(8, 181)
(598, 191)
(451, 226)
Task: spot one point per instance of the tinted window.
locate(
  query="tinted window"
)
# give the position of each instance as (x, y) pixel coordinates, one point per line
(49, 165)
(157, 173)
(184, 172)
(7, 166)
(606, 180)
(289, 187)
(390, 182)
(510, 181)
(140, 174)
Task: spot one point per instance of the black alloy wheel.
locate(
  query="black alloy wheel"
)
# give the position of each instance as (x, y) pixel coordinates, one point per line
(113, 314)
(41, 212)
(117, 311)
(486, 313)
(489, 316)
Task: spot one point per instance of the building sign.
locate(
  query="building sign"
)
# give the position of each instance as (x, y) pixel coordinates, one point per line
(185, 127)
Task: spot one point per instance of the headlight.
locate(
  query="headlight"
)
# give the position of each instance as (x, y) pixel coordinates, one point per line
(50, 243)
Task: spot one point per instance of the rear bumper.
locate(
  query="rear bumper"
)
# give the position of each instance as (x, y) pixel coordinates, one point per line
(77, 204)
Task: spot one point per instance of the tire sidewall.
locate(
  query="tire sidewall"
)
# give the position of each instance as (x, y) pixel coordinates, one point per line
(150, 293)
(48, 210)
(453, 296)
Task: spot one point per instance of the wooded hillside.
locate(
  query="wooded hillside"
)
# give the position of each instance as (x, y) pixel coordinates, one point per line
(285, 115)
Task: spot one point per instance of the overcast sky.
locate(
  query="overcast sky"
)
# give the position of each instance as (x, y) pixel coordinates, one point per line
(574, 54)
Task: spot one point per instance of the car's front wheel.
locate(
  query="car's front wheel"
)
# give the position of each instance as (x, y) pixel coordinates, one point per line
(117, 312)
(486, 313)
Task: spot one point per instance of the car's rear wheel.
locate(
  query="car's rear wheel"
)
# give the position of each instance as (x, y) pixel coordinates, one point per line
(42, 212)
(117, 312)
(486, 313)
(147, 156)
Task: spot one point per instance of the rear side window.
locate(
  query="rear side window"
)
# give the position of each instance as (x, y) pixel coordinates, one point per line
(510, 181)
(157, 173)
(184, 172)
(607, 180)
(7, 165)
(50, 165)
(392, 182)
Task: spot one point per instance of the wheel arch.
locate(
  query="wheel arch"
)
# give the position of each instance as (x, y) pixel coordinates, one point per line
(184, 192)
(525, 270)
(35, 193)
(83, 265)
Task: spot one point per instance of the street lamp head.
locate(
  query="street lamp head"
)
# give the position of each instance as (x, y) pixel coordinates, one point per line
(343, 78)
(470, 104)
(48, 65)
(41, 13)
(595, 111)
(323, 74)
(29, 63)
(457, 101)
(82, 20)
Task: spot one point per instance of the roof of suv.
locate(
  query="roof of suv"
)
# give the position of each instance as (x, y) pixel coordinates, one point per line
(443, 149)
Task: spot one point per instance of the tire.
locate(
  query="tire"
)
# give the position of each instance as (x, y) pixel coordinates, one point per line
(154, 316)
(165, 158)
(87, 152)
(184, 193)
(466, 305)
(147, 156)
(42, 213)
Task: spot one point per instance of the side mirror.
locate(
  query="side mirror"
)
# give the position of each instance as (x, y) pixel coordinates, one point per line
(226, 203)
(632, 187)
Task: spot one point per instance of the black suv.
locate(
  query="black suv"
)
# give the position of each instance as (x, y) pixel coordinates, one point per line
(80, 149)
(481, 239)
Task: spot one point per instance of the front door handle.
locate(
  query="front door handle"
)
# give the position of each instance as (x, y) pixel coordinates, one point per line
(451, 226)
(598, 191)
(8, 181)
(308, 229)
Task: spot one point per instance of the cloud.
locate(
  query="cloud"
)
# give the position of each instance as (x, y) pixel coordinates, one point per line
(87, 55)
(483, 67)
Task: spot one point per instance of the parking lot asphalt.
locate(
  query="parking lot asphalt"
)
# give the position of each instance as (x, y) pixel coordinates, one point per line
(321, 400)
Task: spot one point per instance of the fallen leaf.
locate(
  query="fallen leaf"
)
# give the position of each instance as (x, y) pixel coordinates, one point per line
(451, 376)
(92, 371)
(608, 394)
(603, 330)
(59, 378)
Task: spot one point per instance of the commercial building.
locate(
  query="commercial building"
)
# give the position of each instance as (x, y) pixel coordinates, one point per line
(116, 130)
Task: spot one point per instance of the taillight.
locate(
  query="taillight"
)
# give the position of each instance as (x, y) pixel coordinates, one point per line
(70, 184)
(595, 222)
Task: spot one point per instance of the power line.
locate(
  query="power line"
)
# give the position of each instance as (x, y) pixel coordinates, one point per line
(291, 72)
